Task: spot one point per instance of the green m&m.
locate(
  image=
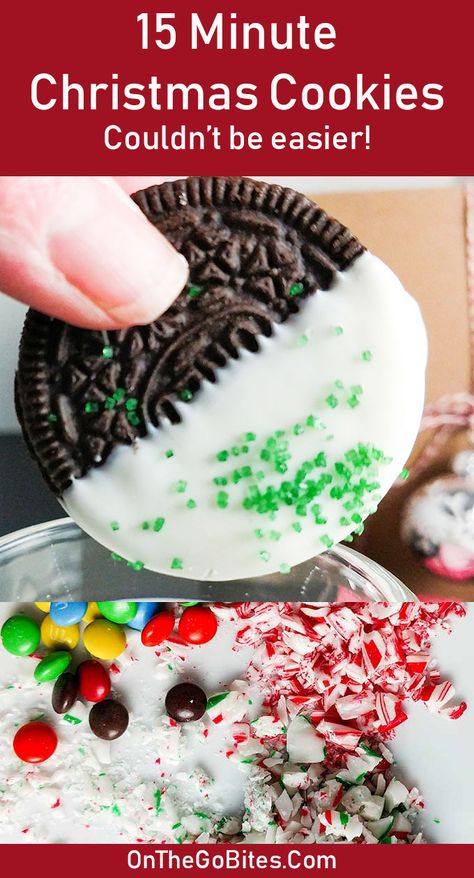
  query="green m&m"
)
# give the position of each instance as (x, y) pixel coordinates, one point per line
(120, 612)
(20, 635)
(52, 666)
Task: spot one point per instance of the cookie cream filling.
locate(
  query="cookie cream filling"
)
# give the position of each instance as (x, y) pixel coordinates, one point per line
(285, 455)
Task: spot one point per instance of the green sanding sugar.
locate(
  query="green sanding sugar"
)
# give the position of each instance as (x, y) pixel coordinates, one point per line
(145, 525)
(332, 401)
(181, 486)
(52, 418)
(186, 395)
(114, 525)
(194, 291)
(259, 533)
(264, 555)
(250, 437)
(119, 394)
(297, 527)
(135, 565)
(177, 564)
(222, 499)
(302, 341)
(91, 407)
(131, 404)
(116, 557)
(222, 455)
(133, 419)
(158, 524)
(366, 356)
(338, 330)
(404, 474)
(296, 289)
(327, 541)
(274, 535)
(339, 384)
(353, 401)
(107, 352)
(220, 480)
(191, 504)
(285, 568)
(169, 453)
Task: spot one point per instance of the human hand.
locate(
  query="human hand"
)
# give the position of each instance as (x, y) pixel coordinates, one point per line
(78, 248)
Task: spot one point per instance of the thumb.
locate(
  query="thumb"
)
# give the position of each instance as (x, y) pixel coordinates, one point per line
(79, 249)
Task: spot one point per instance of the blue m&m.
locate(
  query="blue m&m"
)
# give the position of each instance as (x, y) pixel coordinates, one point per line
(65, 614)
(145, 611)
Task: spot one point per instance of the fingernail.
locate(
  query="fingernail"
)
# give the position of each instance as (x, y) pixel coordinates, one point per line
(114, 256)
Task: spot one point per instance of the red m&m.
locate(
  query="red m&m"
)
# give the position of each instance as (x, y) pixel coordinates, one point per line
(158, 628)
(94, 681)
(197, 625)
(35, 742)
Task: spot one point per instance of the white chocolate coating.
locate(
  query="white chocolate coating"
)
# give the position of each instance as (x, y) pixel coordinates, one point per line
(290, 378)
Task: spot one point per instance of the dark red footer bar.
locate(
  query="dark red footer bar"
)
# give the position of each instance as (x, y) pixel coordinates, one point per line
(260, 860)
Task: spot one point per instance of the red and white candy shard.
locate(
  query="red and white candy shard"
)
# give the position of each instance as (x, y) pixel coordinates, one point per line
(330, 405)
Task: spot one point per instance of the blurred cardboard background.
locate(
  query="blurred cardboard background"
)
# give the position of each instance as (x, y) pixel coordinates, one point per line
(421, 235)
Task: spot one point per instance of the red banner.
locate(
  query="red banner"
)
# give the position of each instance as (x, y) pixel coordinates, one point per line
(123, 861)
(172, 88)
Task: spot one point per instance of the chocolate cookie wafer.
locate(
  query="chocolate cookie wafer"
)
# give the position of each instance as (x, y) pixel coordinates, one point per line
(255, 423)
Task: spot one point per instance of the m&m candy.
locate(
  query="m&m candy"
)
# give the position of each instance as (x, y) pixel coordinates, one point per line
(158, 628)
(43, 606)
(51, 666)
(53, 635)
(35, 742)
(20, 635)
(65, 614)
(104, 639)
(94, 680)
(91, 613)
(145, 611)
(186, 703)
(108, 719)
(118, 611)
(197, 625)
(65, 692)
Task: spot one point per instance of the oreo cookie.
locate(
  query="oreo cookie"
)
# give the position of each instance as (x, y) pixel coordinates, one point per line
(258, 255)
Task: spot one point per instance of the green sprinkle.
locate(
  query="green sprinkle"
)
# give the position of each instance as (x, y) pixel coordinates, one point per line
(285, 568)
(274, 535)
(169, 453)
(52, 418)
(91, 407)
(222, 499)
(338, 330)
(157, 798)
(404, 474)
(296, 289)
(366, 356)
(135, 565)
(158, 524)
(181, 486)
(115, 810)
(107, 352)
(131, 404)
(191, 504)
(114, 525)
(186, 395)
(264, 555)
(145, 525)
(302, 341)
(119, 394)
(220, 480)
(436, 820)
(250, 437)
(194, 291)
(116, 557)
(339, 384)
(344, 522)
(332, 401)
(222, 455)
(297, 527)
(298, 429)
(235, 451)
(259, 533)
(175, 825)
(177, 564)
(72, 720)
(327, 541)
(353, 401)
(344, 817)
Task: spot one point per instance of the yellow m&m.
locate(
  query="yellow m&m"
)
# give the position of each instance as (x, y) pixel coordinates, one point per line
(91, 613)
(43, 606)
(56, 635)
(104, 639)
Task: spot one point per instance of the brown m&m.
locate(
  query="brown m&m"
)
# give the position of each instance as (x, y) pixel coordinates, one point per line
(186, 703)
(108, 719)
